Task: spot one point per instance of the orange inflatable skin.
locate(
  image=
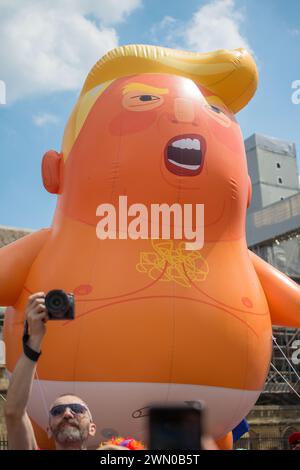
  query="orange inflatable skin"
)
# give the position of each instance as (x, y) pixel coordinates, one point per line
(153, 320)
(226, 442)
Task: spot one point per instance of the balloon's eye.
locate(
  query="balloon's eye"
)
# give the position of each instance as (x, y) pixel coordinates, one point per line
(215, 109)
(148, 98)
(222, 117)
(136, 101)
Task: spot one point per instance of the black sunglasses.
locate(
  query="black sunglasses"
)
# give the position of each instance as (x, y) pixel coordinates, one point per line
(76, 408)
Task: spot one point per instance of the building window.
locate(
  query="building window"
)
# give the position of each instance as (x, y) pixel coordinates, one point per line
(278, 165)
(280, 180)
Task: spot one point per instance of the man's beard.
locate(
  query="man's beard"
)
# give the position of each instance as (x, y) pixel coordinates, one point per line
(69, 431)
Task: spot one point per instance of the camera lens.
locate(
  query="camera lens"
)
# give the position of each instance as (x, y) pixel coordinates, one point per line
(57, 303)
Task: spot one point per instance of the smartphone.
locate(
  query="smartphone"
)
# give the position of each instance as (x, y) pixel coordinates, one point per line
(175, 426)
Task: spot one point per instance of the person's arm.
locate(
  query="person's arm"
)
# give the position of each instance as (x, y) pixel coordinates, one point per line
(282, 293)
(15, 262)
(19, 428)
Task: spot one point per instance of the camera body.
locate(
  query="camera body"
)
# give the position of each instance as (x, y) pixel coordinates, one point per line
(60, 305)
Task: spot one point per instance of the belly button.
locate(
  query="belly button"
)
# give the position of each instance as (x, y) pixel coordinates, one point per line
(247, 302)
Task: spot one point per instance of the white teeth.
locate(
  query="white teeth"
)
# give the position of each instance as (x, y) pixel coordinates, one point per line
(187, 167)
(190, 144)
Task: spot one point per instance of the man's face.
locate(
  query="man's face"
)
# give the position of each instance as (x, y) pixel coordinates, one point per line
(70, 424)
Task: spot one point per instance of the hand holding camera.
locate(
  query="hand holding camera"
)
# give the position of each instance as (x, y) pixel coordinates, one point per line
(56, 305)
(35, 318)
(36, 315)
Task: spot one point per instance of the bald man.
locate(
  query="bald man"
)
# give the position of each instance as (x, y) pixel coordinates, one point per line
(70, 421)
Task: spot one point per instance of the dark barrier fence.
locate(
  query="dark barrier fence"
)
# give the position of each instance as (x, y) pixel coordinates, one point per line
(262, 443)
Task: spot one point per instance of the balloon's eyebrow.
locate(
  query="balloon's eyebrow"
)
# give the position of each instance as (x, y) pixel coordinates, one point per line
(143, 88)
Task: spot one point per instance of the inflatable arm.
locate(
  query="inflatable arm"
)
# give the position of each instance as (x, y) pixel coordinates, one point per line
(15, 262)
(282, 294)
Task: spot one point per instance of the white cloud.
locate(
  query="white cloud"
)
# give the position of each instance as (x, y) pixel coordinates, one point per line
(108, 11)
(43, 119)
(167, 27)
(215, 25)
(51, 45)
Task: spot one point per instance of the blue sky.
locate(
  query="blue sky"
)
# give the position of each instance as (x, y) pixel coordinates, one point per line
(47, 49)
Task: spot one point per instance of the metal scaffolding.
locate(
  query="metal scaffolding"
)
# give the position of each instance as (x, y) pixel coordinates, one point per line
(282, 384)
(283, 252)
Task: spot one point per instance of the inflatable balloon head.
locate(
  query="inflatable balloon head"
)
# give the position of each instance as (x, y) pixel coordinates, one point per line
(169, 304)
(157, 114)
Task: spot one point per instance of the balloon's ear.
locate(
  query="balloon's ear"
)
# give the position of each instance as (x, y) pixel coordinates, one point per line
(249, 192)
(52, 171)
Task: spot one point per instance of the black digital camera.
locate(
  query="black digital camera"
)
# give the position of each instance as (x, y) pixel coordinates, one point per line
(60, 305)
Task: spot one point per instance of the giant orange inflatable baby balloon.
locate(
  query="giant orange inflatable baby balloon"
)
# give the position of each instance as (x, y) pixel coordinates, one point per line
(158, 317)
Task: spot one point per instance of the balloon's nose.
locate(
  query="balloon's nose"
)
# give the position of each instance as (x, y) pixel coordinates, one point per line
(184, 110)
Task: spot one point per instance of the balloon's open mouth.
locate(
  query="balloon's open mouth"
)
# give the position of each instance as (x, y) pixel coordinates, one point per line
(184, 155)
